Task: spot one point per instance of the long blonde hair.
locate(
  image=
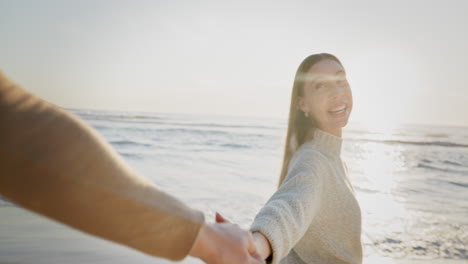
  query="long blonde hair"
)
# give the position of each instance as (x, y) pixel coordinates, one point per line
(299, 125)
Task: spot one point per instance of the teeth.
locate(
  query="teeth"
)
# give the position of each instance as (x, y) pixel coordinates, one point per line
(339, 108)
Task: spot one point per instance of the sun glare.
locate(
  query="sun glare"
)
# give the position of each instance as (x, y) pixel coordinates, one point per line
(380, 164)
(386, 128)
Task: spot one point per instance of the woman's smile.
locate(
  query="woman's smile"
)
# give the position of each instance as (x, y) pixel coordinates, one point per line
(339, 111)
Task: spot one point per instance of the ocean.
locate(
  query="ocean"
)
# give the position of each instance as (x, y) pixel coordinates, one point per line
(411, 181)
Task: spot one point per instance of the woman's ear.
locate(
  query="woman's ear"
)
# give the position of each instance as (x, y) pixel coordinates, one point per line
(302, 105)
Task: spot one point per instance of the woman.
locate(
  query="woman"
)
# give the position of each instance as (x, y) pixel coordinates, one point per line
(313, 217)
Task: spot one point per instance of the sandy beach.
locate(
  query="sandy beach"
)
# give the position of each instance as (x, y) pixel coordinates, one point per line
(26, 237)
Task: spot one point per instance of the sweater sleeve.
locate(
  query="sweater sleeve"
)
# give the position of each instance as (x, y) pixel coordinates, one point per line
(289, 212)
(56, 165)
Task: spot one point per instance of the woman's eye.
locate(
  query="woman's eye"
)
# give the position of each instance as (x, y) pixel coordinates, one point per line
(342, 82)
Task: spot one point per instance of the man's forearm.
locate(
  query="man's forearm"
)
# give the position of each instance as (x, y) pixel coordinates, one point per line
(54, 164)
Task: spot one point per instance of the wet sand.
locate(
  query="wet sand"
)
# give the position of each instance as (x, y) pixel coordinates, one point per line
(26, 238)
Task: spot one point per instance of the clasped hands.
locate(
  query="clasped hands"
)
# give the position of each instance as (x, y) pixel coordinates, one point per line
(226, 243)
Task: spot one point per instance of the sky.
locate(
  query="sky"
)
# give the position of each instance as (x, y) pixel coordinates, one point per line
(406, 61)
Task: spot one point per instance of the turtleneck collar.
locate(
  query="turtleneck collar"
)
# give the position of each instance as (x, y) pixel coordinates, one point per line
(326, 142)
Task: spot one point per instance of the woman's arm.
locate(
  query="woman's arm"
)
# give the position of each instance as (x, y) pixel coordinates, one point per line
(287, 215)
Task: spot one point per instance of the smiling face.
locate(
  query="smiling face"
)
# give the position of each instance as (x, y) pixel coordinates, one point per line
(327, 96)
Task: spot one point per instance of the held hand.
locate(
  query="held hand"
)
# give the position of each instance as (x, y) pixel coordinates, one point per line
(220, 219)
(225, 243)
(261, 242)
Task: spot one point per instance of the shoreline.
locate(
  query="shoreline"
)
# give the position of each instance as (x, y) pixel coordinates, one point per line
(26, 237)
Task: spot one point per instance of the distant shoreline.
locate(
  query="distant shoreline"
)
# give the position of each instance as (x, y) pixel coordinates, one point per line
(150, 113)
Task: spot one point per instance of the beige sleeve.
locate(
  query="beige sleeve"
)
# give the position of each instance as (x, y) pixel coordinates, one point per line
(288, 213)
(56, 165)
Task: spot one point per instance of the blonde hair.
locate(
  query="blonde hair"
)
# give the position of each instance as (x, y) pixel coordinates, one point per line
(299, 126)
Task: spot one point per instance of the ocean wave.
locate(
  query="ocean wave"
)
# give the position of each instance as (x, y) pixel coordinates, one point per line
(429, 143)
(235, 146)
(129, 143)
(445, 162)
(420, 248)
(419, 143)
(134, 156)
(191, 131)
(215, 125)
(431, 167)
(365, 189)
(437, 135)
(459, 184)
(438, 241)
(129, 117)
(449, 162)
(110, 117)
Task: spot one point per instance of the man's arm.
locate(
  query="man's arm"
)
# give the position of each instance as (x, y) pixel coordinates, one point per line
(54, 164)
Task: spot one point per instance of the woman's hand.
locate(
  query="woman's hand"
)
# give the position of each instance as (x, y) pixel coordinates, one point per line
(261, 242)
(225, 243)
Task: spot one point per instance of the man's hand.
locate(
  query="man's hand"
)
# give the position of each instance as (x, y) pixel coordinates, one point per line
(261, 242)
(225, 243)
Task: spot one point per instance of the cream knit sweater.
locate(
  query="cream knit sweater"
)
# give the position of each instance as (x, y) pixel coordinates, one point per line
(314, 216)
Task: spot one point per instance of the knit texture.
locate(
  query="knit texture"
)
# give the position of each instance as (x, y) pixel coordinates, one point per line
(314, 216)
